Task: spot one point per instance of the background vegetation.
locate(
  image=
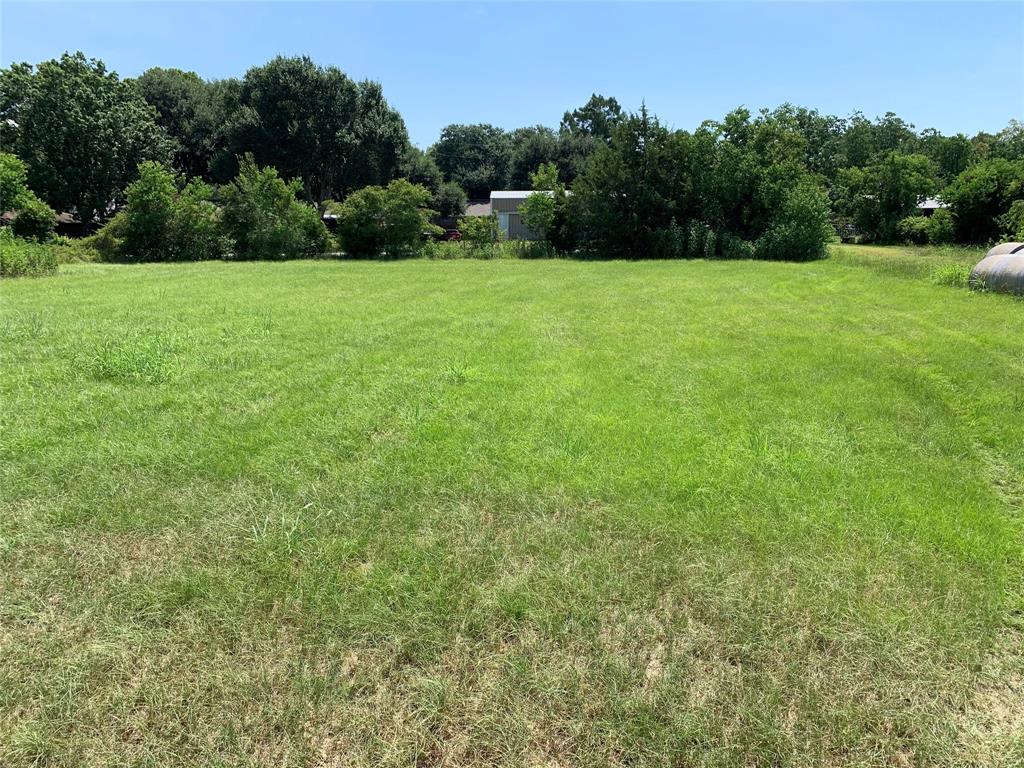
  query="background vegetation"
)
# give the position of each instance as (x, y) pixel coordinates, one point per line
(749, 185)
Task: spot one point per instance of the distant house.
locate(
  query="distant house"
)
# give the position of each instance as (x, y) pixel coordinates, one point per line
(929, 205)
(505, 205)
(65, 224)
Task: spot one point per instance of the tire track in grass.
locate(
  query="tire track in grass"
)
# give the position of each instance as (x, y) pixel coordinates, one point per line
(990, 726)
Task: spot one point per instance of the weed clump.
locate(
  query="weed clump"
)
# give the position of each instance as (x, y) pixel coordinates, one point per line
(953, 275)
(145, 358)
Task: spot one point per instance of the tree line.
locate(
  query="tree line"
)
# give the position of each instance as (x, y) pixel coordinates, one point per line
(638, 186)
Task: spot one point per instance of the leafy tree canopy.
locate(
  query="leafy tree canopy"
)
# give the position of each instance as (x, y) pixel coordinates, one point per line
(981, 197)
(191, 110)
(81, 131)
(476, 157)
(316, 125)
(597, 118)
(883, 193)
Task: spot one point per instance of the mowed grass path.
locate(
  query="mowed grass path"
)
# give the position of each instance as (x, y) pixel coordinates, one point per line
(509, 513)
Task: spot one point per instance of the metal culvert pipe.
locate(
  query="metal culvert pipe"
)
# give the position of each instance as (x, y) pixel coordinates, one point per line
(1001, 270)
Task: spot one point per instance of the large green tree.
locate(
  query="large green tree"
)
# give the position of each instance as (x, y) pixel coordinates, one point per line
(821, 136)
(1008, 144)
(476, 157)
(419, 167)
(735, 187)
(531, 147)
(191, 110)
(316, 125)
(582, 131)
(981, 196)
(381, 138)
(597, 118)
(879, 195)
(81, 131)
(632, 189)
(951, 154)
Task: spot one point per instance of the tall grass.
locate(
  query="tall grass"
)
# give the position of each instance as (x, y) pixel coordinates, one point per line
(25, 258)
(504, 249)
(909, 260)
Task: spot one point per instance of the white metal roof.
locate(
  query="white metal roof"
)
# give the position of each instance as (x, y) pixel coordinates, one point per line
(515, 194)
(509, 194)
(931, 202)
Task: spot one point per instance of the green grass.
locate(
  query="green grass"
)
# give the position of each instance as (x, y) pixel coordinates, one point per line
(523, 513)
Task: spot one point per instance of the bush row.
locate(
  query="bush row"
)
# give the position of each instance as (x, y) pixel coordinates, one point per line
(936, 229)
(21, 257)
(34, 219)
(256, 216)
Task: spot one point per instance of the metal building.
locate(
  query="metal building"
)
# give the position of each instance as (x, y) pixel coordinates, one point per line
(505, 203)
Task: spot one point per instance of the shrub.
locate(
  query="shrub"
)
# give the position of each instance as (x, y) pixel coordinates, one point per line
(801, 230)
(25, 258)
(697, 234)
(936, 229)
(913, 229)
(670, 242)
(547, 214)
(503, 249)
(480, 234)
(709, 243)
(954, 275)
(445, 250)
(163, 223)
(385, 221)
(940, 227)
(525, 249)
(108, 243)
(71, 250)
(450, 200)
(195, 232)
(265, 219)
(733, 247)
(35, 219)
(148, 217)
(1013, 221)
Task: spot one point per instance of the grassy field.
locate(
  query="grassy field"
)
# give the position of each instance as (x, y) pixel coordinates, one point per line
(511, 513)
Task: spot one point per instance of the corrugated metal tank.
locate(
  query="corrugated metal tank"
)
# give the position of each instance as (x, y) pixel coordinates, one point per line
(1002, 269)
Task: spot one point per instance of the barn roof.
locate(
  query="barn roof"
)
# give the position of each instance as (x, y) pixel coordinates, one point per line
(510, 194)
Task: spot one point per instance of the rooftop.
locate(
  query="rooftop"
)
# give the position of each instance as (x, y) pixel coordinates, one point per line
(508, 194)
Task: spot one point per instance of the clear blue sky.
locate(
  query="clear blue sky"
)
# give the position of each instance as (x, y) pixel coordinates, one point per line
(951, 66)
